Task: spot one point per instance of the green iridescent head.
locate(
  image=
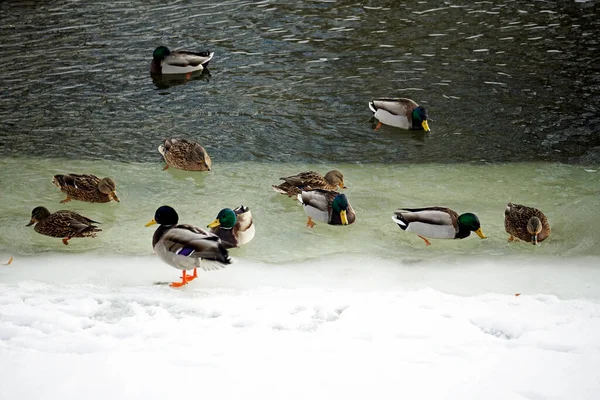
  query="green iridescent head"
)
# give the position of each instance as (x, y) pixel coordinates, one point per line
(160, 53)
(470, 222)
(419, 116)
(225, 219)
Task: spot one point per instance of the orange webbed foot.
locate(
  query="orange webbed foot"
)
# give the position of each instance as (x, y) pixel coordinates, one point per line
(192, 277)
(165, 167)
(427, 242)
(184, 279)
(66, 240)
(66, 200)
(310, 223)
(10, 260)
(379, 124)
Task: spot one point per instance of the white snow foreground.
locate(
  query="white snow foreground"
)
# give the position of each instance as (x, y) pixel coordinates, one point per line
(100, 336)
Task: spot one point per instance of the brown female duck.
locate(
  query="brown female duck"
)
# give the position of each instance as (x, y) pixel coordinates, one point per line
(65, 224)
(526, 223)
(184, 154)
(88, 188)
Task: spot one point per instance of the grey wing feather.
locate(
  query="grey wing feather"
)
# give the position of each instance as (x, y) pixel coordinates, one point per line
(205, 244)
(318, 198)
(395, 106)
(430, 215)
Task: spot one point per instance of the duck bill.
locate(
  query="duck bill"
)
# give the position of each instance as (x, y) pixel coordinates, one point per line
(343, 217)
(214, 224)
(480, 234)
(153, 222)
(425, 126)
(113, 196)
(342, 186)
(31, 222)
(534, 240)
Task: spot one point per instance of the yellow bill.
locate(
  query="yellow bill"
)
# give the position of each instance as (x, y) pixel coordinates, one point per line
(343, 217)
(214, 224)
(425, 126)
(480, 234)
(153, 222)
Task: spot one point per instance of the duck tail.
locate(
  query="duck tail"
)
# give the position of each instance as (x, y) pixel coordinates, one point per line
(400, 220)
(279, 189)
(372, 107)
(219, 259)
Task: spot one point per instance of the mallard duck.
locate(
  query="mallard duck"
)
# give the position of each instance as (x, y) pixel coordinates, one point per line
(310, 180)
(178, 62)
(526, 223)
(437, 223)
(326, 206)
(64, 223)
(184, 154)
(401, 113)
(182, 246)
(88, 188)
(234, 227)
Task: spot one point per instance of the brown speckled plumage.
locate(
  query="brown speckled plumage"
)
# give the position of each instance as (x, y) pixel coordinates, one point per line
(293, 185)
(516, 220)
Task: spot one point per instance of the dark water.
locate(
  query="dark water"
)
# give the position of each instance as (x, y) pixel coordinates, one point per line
(290, 81)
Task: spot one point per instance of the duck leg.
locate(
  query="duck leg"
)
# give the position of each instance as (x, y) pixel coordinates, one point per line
(511, 238)
(192, 277)
(66, 200)
(66, 240)
(310, 223)
(165, 167)
(427, 242)
(10, 260)
(184, 280)
(378, 125)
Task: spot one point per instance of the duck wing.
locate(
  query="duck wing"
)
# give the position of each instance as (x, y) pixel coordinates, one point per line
(188, 58)
(318, 198)
(306, 179)
(401, 107)
(184, 246)
(75, 218)
(431, 222)
(76, 181)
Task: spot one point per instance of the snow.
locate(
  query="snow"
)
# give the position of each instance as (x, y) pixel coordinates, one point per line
(98, 327)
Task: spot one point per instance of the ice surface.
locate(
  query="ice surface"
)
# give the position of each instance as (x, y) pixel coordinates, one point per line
(87, 326)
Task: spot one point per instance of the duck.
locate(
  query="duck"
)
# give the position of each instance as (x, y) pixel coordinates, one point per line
(63, 223)
(401, 113)
(88, 188)
(186, 247)
(184, 154)
(234, 227)
(437, 223)
(293, 185)
(326, 206)
(526, 223)
(166, 62)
